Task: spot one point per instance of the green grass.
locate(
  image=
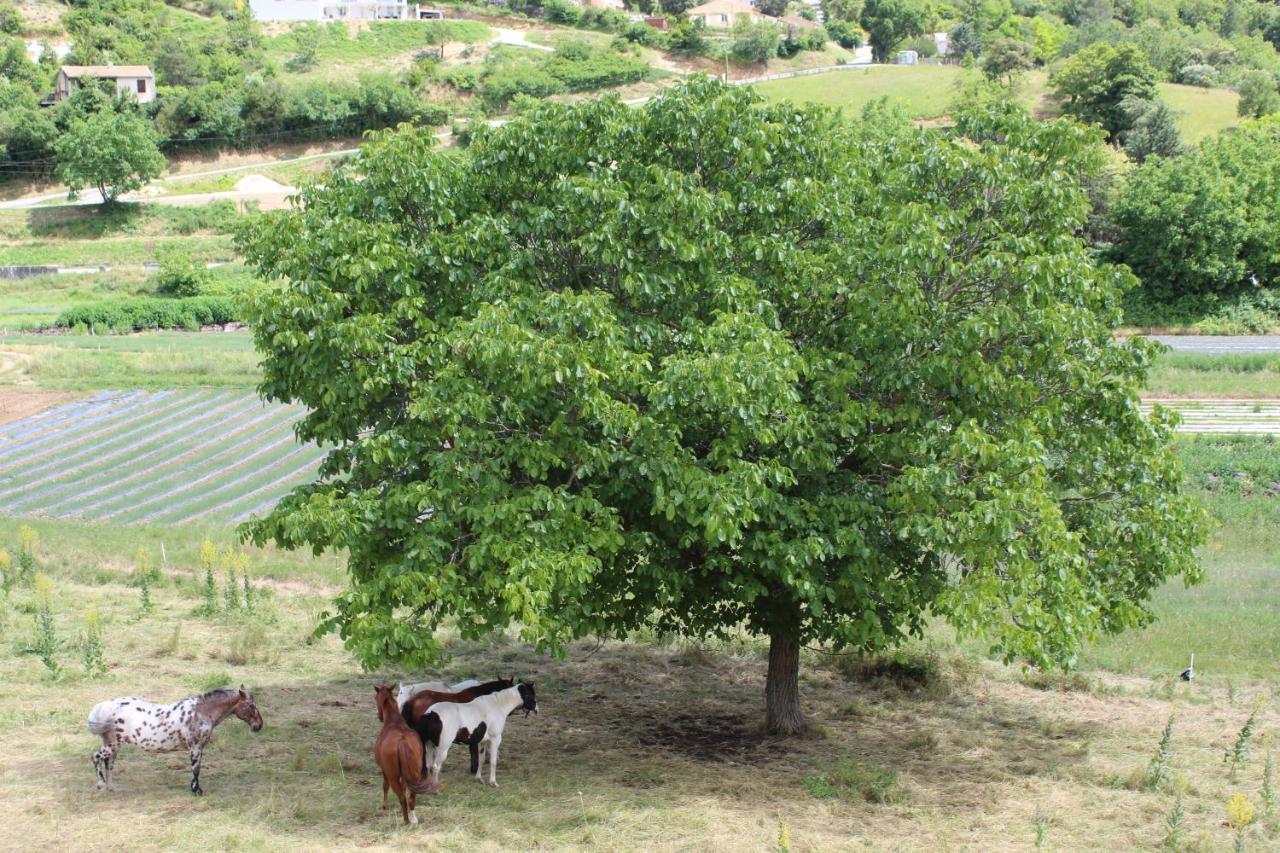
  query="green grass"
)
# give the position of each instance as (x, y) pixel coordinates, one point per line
(90, 222)
(1229, 621)
(925, 91)
(646, 744)
(1197, 375)
(1201, 112)
(34, 303)
(114, 250)
(148, 361)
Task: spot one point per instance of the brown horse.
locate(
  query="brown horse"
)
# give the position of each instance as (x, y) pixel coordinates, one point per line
(398, 752)
(416, 707)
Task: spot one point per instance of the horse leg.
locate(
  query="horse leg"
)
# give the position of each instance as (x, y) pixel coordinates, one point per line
(196, 752)
(102, 761)
(398, 786)
(386, 783)
(493, 760)
(413, 807)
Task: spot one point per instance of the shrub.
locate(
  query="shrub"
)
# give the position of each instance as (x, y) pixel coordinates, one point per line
(180, 274)
(92, 647)
(141, 313)
(28, 541)
(1197, 75)
(597, 71)
(503, 84)
(46, 640)
(844, 34)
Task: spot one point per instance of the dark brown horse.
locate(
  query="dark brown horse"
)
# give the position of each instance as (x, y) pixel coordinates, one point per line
(416, 707)
(398, 752)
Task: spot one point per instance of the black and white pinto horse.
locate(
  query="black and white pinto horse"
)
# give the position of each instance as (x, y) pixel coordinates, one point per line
(485, 716)
(187, 724)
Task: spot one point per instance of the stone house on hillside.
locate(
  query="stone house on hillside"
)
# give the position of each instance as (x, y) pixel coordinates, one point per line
(135, 80)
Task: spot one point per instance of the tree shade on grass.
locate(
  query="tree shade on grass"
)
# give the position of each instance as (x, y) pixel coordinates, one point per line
(712, 363)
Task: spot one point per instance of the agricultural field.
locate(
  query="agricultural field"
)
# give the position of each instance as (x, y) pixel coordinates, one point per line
(168, 457)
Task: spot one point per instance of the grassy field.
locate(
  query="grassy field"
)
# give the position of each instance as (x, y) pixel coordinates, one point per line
(1230, 376)
(151, 361)
(1201, 112)
(925, 91)
(928, 91)
(170, 457)
(114, 250)
(646, 744)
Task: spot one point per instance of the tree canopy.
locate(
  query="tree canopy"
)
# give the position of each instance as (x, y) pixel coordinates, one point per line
(1095, 82)
(711, 365)
(888, 22)
(112, 150)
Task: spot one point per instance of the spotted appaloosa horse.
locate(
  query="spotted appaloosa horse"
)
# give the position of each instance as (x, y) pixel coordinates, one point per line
(186, 724)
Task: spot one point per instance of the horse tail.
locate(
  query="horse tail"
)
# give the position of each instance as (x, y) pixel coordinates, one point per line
(411, 770)
(101, 717)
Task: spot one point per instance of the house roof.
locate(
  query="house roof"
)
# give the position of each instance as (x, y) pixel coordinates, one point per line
(723, 7)
(798, 21)
(106, 71)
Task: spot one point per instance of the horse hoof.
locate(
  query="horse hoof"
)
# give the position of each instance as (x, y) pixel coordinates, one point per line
(493, 784)
(413, 818)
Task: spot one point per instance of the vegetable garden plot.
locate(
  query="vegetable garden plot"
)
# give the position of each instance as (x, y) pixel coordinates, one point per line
(167, 457)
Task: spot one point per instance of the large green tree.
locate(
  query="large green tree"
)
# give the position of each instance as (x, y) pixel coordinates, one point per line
(888, 22)
(713, 365)
(112, 150)
(1094, 83)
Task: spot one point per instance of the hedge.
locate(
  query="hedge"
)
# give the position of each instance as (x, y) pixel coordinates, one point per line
(138, 314)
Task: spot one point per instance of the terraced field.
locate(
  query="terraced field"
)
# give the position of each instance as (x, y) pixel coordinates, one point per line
(161, 458)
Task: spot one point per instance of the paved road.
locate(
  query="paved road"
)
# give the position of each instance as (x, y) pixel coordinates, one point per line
(1216, 344)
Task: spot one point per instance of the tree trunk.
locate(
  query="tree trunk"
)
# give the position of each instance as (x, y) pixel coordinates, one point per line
(782, 687)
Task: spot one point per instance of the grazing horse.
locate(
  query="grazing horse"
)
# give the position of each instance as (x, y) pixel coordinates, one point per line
(405, 691)
(398, 751)
(447, 721)
(186, 724)
(416, 708)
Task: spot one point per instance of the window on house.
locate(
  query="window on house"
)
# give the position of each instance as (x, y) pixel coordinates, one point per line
(142, 87)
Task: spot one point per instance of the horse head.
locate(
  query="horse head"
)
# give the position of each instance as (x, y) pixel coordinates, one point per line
(246, 710)
(528, 699)
(383, 698)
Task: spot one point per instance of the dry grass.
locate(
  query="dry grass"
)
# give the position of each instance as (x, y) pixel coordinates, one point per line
(640, 745)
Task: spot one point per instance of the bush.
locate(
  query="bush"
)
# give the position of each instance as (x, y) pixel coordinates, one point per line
(180, 274)
(1197, 75)
(139, 314)
(844, 34)
(597, 71)
(503, 84)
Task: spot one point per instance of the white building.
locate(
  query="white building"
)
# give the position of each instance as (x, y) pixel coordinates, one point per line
(333, 10)
(135, 80)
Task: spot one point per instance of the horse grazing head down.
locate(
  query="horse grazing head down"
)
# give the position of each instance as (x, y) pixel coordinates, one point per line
(246, 710)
